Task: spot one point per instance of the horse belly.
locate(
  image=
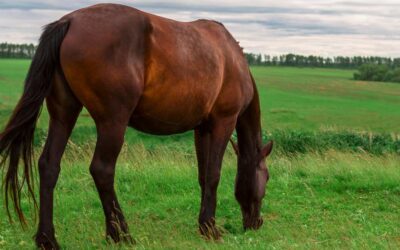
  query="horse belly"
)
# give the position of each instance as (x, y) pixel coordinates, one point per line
(155, 126)
(163, 117)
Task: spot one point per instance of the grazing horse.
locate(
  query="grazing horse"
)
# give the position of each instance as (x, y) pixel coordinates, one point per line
(159, 76)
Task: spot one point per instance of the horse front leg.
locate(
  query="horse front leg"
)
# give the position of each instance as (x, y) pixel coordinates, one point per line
(210, 148)
(110, 137)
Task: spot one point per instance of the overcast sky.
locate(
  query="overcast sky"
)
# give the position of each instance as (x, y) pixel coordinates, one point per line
(320, 27)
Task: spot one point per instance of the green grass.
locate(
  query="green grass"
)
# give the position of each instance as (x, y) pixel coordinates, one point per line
(310, 99)
(335, 200)
(326, 189)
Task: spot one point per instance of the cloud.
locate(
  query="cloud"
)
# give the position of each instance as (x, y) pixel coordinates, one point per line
(324, 27)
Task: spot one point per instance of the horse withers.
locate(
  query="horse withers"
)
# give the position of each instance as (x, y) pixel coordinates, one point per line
(157, 75)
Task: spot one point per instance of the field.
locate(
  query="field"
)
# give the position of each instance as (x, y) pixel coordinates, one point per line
(337, 198)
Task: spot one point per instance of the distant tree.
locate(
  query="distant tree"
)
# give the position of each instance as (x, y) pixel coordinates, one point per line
(395, 77)
(318, 61)
(377, 72)
(258, 59)
(9, 50)
(275, 60)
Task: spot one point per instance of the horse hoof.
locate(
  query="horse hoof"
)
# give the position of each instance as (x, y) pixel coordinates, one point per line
(210, 231)
(123, 237)
(128, 239)
(45, 242)
(254, 224)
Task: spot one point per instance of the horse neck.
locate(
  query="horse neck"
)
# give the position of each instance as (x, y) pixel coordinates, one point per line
(249, 132)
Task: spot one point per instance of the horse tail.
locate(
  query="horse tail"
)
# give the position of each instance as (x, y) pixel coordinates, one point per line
(16, 141)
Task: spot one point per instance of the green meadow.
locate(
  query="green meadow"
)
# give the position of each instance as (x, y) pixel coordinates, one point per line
(346, 196)
(312, 99)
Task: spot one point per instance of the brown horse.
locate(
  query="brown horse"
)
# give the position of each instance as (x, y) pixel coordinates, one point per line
(160, 76)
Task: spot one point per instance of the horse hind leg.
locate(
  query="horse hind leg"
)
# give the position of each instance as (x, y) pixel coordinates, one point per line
(111, 115)
(110, 95)
(63, 109)
(110, 137)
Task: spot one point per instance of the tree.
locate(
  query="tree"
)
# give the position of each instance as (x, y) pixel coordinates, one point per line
(377, 72)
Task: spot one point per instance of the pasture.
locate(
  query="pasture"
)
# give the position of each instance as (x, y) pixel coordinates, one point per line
(333, 199)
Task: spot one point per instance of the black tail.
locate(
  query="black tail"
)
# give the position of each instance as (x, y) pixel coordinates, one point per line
(16, 141)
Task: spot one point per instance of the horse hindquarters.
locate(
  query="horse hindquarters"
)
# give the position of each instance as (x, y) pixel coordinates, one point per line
(103, 63)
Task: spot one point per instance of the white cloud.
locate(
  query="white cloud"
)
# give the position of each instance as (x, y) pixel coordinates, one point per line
(323, 27)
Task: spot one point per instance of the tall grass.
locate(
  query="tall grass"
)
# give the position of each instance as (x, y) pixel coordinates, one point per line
(295, 141)
(286, 141)
(330, 200)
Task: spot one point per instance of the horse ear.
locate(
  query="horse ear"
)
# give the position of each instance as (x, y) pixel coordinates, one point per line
(235, 146)
(267, 149)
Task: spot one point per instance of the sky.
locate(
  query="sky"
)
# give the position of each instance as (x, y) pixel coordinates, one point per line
(318, 27)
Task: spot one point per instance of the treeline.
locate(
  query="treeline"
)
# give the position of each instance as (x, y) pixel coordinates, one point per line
(10, 50)
(344, 62)
(379, 73)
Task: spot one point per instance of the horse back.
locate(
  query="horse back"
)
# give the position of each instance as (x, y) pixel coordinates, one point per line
(170, 76)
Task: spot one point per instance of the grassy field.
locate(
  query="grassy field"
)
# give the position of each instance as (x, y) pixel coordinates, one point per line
(334, 199)
(310, 99)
